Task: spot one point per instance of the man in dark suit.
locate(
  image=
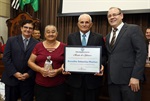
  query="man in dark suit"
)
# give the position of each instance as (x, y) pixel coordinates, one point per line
(147, 35)
(85, 87)
(17, 76)
(126, 58)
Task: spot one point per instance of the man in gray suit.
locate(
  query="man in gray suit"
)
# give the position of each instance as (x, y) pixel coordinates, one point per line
(147, 35)
(126, 58)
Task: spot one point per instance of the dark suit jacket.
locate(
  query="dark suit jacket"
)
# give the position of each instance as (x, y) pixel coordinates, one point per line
(76, 79)
(127, 58)
(15, 60)
(147, 43)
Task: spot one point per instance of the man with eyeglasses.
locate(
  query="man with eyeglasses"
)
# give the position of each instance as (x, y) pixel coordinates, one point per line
(126, 58)
(17, 76)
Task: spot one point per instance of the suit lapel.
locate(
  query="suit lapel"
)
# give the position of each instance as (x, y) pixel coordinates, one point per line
(121, 33)
(20, 42)
(90, 39)
(30, 43)
(77, 37)
(107, 42)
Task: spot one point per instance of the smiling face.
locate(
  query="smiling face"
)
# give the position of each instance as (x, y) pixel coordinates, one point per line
(51, 33)
(27, 30)
(115, 17)
(84, 23)
(36, 34)
(147, 34)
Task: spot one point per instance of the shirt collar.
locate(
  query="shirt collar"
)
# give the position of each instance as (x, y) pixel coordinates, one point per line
(119, 27)
(25, 38)
(87, 34)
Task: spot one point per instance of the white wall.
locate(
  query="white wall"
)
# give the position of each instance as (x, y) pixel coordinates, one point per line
(77, 6)
(3, 28)
(4, 15)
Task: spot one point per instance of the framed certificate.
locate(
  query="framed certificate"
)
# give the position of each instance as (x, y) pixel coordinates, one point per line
(83, 59)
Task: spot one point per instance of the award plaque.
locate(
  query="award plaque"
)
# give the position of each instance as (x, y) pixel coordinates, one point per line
(83, 59)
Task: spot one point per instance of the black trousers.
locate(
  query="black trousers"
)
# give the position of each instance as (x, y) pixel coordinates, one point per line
(118, 92)
(83, 93)
(24, 92)
(56, 93)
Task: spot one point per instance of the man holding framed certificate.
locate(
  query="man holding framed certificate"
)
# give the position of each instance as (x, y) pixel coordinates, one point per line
(83, 61)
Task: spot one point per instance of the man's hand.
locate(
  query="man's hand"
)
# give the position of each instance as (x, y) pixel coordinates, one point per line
(20, 76)
(25, 76)
(101, 71)
(134, 84)
(65, 72)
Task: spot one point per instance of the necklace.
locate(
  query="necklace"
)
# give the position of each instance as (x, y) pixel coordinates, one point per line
(50, 49)
(50, 46)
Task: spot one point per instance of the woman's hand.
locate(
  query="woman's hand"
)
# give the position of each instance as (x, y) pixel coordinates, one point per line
(53, 72)
(44, 72)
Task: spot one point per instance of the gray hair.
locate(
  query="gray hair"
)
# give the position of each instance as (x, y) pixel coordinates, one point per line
(51, 26)
(87, 15)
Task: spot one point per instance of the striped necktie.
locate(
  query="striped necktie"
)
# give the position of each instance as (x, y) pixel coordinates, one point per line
(113, 38)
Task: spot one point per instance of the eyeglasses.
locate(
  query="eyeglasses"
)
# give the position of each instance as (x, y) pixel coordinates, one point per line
(113, 15)
(30, 28)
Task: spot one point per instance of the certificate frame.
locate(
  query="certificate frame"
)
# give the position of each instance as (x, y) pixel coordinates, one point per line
(83, 59)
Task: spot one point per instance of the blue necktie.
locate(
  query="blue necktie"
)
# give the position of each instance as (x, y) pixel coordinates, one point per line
(83, 40)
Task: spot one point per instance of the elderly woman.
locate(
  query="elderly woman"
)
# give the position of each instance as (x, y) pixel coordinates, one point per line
(49, 83)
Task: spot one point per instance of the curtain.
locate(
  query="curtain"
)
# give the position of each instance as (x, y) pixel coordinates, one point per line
(48, 10)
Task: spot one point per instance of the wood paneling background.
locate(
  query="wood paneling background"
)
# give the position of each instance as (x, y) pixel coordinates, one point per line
(48, 10)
